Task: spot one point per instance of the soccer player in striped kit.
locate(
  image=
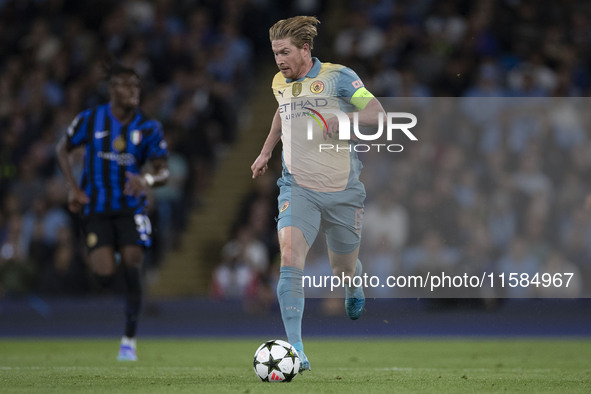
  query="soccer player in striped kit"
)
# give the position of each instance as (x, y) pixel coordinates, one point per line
(118, 140)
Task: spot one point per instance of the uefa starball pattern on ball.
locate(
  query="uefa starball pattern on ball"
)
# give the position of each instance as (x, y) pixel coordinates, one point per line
(276, 361)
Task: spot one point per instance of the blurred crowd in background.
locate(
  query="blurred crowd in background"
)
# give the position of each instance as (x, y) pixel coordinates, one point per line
(493, 185)
(487, 188)
(195, 60)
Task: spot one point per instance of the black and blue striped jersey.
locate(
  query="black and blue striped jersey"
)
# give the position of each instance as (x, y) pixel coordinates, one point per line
(112, 149)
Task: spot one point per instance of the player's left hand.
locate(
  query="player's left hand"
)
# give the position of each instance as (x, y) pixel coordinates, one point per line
(136, 184)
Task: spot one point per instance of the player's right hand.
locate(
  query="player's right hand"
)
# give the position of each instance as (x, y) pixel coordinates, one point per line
(76, 199)
(333, 128)
(259, 167)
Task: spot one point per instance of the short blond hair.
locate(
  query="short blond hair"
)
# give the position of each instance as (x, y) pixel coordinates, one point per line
(300, 29)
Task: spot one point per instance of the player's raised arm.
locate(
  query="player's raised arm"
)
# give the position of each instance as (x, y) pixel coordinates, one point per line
(260, 165)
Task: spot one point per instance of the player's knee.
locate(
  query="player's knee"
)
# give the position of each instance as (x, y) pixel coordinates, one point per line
(102, 261)
(132, 257)
(291, 257)
(343, 265)
(105, 269)
(133, 262)
(343, 271)
(286, 257)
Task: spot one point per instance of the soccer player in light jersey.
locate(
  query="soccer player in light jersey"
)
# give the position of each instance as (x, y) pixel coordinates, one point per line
(319, 189)
(118, 140)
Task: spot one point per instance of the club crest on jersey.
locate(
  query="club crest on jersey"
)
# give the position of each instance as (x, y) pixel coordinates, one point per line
(136, 137)
(119, 144)
(296, 89)
(284, 206)
(317, 87)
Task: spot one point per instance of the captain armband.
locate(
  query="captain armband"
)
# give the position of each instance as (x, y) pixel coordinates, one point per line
(361, 97)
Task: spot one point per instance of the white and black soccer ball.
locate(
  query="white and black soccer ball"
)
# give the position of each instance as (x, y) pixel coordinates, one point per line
(276, 361)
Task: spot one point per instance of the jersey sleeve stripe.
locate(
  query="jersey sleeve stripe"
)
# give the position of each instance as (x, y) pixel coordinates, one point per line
(117, 178)
(91, 157)
(75, 136)
(104, 123)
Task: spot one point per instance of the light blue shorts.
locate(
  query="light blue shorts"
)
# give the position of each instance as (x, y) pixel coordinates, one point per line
(338, 214)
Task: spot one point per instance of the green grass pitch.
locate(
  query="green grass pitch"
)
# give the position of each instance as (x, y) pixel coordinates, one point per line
(338, 366)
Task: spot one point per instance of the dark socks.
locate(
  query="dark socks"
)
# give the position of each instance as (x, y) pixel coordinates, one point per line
(133, 301)
(104, 281)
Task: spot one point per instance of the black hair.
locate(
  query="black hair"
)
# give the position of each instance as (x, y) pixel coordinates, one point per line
(115, 69)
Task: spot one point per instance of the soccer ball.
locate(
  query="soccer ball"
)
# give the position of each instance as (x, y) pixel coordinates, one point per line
(276, 361)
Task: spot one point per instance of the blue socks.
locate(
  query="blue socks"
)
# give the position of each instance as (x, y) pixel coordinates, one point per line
(291, 301)
(355, 292)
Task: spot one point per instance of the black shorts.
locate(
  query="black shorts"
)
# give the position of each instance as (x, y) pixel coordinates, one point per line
(117, 231)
